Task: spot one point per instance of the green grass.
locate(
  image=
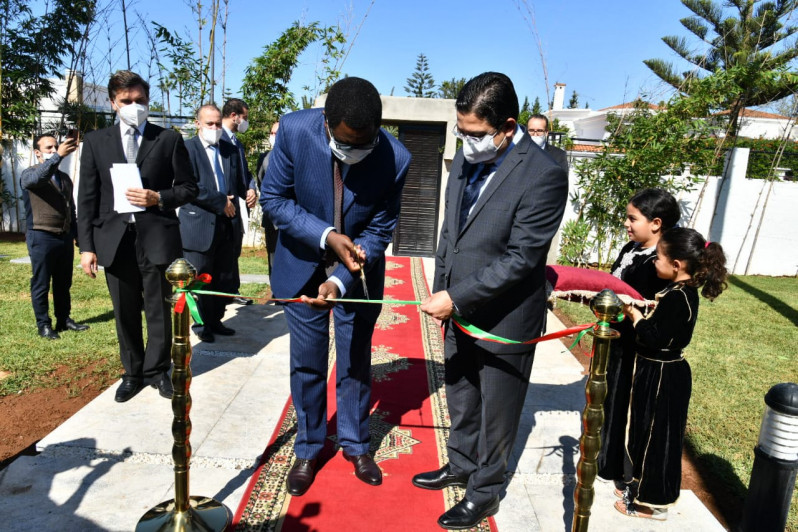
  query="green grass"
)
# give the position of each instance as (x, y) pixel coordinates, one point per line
(30, 362)
(743, 344)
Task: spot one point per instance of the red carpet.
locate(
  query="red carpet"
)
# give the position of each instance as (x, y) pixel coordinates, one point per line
(409, 424)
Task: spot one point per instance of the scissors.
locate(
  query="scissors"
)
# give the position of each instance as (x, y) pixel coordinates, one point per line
(362, 273)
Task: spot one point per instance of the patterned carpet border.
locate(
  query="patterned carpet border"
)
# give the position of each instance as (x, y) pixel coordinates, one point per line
(266, 500)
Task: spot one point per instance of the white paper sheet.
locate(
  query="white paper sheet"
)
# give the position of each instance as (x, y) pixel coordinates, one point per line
(123, 177)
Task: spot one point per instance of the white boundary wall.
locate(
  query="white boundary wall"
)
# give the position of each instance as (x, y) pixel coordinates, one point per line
(755, 221)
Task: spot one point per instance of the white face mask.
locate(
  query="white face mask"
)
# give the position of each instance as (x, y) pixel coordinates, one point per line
(211, 136)
(47, 156)
(272, 140)
(133, 114)
(481, 150)
(243, 126)
(540, 141)
(351, 156)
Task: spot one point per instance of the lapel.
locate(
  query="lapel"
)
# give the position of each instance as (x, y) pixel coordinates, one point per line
(148, 139)
(513, 159)
(462, 180)
(201, 157)
(117, 152)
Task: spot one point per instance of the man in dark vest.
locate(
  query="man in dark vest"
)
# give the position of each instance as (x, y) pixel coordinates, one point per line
(51, 230)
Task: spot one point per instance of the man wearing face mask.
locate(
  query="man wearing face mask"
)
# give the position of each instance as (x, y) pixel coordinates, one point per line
(234, 120)
(333, 188)
(51, 230)
(211, 225)
(135, 248)
(538, 128)
(504, 202)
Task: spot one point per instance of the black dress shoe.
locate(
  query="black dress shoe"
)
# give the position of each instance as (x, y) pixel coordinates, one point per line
(439, 479)
(242, 301)
(164, 385)
(128, 389)
(366, 469)
(218, 328)
(45, 331)
(204, 334)
(70, 324)
(301, 476)
(466, 514)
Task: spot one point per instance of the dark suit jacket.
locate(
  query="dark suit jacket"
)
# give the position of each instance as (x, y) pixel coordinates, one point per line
(163, 162)
(494, 269)
(244, 173)
(297, 194)
(198, 218)
(559, 156)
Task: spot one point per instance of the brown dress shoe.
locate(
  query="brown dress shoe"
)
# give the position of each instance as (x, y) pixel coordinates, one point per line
(366, 469)
(301, 476)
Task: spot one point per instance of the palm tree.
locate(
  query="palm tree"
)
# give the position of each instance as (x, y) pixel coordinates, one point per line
(752, 41)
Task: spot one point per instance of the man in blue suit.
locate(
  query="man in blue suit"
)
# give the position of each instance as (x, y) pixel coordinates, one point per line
(333, 189)
(211, 225)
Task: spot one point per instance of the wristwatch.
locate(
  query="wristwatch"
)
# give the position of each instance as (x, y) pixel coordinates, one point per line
(160, 201)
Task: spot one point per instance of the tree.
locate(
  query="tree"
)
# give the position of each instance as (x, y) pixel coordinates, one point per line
(185, 74)
(536, 109)
(421, 84)
(450, 89)
(754, 40)
(265, 85)
(648, 149)
(573, 103)
(32, 51)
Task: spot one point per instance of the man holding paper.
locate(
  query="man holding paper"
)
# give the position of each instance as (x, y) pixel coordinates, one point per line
(132, 177)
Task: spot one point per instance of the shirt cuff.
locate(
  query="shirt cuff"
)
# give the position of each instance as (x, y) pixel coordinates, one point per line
(323, 243)
(339, 284)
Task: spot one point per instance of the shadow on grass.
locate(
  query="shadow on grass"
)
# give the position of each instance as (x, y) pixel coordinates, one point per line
(100, 318)
(775, 303)
(726, 488)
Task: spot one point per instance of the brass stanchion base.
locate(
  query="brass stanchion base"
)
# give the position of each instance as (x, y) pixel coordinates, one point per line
(203, 515)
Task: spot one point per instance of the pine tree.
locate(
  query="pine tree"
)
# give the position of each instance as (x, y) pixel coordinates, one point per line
(573, 103)
(744, 44)
(421, 84)
(450, 89)
(536, 109)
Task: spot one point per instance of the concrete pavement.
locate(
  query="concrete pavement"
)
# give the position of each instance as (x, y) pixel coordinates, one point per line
(107, 465)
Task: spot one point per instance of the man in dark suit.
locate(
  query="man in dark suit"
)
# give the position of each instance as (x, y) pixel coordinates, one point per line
(333, 189)
(211, 226)
(51, 230)
(235, 114)
(538, 128)
(135, 248)
(504, 202)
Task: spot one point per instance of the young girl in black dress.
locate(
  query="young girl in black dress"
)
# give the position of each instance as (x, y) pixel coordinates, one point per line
(662, 381)
(649, 213)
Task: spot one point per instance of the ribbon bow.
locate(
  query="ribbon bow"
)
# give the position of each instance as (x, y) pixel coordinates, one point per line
(192, 289)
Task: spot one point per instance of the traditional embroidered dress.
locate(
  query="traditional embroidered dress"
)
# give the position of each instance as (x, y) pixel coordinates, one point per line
(634, 266)
(661, 387)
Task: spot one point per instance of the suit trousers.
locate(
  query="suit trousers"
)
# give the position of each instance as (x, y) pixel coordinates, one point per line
(51, 257)
(136, 284)
(309, 348)
(485, 394)
(221, 262)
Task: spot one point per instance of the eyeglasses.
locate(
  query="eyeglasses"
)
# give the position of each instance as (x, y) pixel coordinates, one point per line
(536, 130)
(472, 138)
(348, 147)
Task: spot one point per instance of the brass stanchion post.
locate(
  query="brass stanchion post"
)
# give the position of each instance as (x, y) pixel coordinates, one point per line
(183, 513)
(606, 306)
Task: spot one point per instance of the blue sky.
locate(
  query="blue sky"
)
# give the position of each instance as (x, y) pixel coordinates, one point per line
(595, 48)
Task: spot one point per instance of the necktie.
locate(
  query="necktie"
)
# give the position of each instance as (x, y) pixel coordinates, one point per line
(56, 180)
(217, 169)
(331, 259)
(132, 145)
(471, 192)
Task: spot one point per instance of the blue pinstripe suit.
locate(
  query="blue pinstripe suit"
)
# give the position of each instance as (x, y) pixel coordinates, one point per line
(297, 193)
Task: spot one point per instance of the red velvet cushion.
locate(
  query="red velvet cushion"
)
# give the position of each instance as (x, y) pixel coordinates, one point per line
(581, 284)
